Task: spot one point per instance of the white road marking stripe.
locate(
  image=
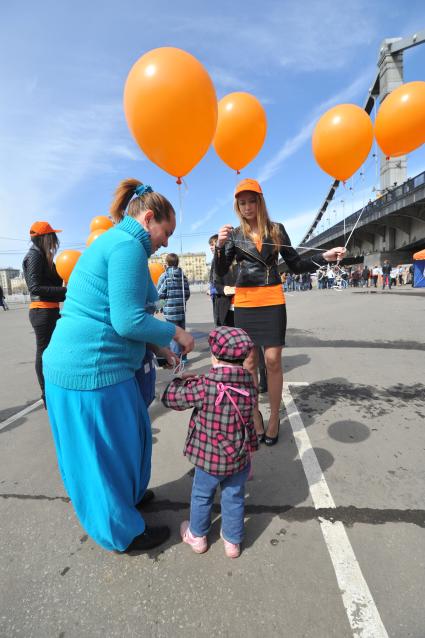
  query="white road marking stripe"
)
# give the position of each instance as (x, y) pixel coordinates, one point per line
(360, 607)
(20, 414)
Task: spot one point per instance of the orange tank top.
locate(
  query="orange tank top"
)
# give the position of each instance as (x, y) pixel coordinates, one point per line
(44, 304)
(259, 296)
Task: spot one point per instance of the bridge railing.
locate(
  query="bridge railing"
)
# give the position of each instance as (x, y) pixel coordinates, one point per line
(372, 209)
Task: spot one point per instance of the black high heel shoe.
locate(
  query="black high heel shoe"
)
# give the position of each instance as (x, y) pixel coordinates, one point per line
(261, 437)
(272, 440)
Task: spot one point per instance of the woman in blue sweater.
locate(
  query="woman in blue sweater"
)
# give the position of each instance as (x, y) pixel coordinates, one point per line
(99, 421)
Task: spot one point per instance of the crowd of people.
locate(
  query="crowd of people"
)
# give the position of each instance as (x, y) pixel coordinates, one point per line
(358, 276)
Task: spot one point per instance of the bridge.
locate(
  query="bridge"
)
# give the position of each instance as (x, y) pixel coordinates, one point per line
(393, 225)
(390, 227)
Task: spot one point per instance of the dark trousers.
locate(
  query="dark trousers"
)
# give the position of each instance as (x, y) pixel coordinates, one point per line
(43, 320)
(223, 316)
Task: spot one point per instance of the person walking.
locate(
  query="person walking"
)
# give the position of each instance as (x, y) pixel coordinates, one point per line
(259, 299)
(173, 289)
(365, 277)
(99, 420)
(46, 290)
(3, 300)
(386, 274)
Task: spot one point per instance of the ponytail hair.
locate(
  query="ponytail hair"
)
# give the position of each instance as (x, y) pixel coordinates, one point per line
(126, 201)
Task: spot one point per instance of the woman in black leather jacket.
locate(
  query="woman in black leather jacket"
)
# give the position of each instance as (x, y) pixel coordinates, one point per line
(45, 287)
(259, 300)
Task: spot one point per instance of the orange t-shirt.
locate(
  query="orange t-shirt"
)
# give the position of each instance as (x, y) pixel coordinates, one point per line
(44, 304)
(259, 296)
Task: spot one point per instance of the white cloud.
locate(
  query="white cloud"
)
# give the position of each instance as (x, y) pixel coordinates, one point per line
(57, 155)
(301, 37)
(293, 144)
(222, 201)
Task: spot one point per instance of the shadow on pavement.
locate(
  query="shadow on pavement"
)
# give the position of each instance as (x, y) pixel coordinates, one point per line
(279, 485)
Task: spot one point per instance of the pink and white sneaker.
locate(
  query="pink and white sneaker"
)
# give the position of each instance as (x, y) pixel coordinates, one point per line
(232, 550)
(198, 543)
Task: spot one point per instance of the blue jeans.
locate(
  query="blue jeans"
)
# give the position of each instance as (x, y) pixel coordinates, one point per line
(232, 503)
(174, 346)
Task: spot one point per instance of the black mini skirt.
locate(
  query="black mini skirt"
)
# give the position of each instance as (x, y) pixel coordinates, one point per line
(266, 325)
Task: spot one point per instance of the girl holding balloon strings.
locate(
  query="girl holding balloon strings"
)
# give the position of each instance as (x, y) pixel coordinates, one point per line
(45, 287)
(259, 299)
(99, 420)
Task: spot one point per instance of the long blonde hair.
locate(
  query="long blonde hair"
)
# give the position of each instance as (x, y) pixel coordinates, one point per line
(266, 228)
(124, 204)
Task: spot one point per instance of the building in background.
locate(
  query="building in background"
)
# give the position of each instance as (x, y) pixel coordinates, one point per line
(194, 265)
(6, 276)
(19, 285)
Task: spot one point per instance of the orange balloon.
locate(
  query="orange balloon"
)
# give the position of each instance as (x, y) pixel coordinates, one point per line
(65, 263)
(101, 221)
(400, 122)
(171, 108)
(94, 235)
(342, 140)
(156, 271)
(241, 129)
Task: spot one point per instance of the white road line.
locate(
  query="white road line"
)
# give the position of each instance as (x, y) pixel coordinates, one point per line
(360, 607)
(20, 414)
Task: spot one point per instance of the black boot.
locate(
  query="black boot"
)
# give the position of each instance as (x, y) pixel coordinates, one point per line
(151, 537)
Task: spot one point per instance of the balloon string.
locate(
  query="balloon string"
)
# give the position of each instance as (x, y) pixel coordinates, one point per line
(179, 185)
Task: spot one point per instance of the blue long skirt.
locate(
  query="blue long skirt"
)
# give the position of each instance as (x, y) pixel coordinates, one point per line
(103, 443)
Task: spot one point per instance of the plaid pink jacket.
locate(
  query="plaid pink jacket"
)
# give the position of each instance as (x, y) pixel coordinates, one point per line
(218, 441)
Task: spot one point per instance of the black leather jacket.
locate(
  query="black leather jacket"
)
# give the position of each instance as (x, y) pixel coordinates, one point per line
(260, 268)
(43, 282)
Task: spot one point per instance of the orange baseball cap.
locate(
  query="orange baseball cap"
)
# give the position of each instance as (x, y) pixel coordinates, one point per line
(248, 185)
(42, 228)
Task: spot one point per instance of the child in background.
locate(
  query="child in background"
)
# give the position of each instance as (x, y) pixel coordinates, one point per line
(221, 437)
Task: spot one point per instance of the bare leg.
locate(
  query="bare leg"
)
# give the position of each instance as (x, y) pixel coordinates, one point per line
(251, 364)
(273, 356)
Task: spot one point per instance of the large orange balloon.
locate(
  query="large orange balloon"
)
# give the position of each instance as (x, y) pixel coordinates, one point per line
(241, 129)
(400, 122)
(156, 271)
(342, 140)
(65, 263)
(101, 221)
(171, 108)
(94, 235)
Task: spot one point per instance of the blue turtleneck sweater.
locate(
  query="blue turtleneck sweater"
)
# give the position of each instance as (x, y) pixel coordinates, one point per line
(101, 336)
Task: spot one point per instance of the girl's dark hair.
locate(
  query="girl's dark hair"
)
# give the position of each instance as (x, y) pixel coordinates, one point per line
(48, 244)
(123, 202)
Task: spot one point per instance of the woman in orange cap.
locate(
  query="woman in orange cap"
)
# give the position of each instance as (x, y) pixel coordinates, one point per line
(259, 299)
(45, 287)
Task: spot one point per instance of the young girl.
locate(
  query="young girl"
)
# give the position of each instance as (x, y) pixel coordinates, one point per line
(221, 437)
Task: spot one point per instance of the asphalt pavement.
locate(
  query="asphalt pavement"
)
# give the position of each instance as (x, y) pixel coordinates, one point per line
(335, 515)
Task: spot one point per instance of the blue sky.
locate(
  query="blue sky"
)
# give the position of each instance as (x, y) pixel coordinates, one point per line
(64, 143)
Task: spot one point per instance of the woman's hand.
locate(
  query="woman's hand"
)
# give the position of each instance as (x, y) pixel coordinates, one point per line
(224, 234)
(184, 339)
(170, 357)
(335, 254)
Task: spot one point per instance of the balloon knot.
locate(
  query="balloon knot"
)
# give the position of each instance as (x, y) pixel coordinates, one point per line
(179, 180)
